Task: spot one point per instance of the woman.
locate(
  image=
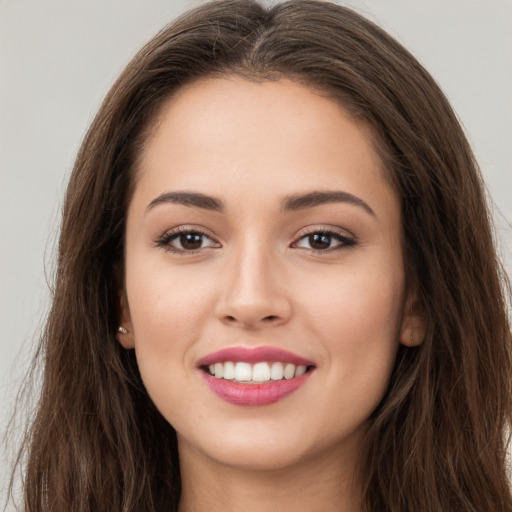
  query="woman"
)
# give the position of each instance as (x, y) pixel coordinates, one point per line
(276, 283)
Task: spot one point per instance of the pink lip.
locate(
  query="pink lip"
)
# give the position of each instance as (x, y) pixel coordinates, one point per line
(253, 355)
(254, 394)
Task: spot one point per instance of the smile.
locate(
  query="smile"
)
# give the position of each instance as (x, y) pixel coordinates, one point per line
(256, 376)
(256, 373)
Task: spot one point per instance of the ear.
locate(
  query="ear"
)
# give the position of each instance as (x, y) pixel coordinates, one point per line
(126, 339)
(413, 328)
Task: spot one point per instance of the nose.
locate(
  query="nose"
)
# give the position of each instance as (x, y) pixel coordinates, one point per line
(253, 293)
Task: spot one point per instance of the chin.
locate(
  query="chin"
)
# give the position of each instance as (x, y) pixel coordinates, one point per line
(272, 447)
(257, 457)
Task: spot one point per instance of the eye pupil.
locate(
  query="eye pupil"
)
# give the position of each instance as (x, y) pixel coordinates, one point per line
(191, 240)
(319, 241)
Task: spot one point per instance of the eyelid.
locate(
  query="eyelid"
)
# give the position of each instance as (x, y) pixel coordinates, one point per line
(163, 241)
(346, 238)
(325, 228)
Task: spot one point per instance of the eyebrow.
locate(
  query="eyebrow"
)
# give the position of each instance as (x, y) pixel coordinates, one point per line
(289, 203)
(317, 198)
(193, 199)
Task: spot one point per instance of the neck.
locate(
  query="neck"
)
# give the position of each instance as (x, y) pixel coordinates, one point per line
(325, 482)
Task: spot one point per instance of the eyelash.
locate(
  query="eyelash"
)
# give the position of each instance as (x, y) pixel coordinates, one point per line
(345, 241)
(165, 241)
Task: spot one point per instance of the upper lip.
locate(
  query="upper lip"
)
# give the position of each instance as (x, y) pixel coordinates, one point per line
(253, 355)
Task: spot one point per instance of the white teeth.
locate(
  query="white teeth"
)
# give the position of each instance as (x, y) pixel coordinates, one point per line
(243, 371)
(256, 373)
(260, 372)
(229, 371)
(289, 371)
(277, 371)
(219, 370)
(300, 371)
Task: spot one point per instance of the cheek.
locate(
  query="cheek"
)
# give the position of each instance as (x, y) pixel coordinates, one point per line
(361, 299)
(166, 302)
(358, 324)
(358, 319)
(168, 315)
(169, 311)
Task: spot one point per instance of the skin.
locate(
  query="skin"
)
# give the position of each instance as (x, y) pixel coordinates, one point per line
(256, 280)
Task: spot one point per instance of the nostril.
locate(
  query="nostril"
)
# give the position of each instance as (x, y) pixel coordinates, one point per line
(253, 321)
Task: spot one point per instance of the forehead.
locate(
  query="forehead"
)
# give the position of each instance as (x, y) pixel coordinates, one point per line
(218, 134)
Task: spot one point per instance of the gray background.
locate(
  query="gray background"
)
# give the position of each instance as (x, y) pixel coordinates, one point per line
(59, 57)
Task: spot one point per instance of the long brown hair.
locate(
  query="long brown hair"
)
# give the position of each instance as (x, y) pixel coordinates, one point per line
(437, 440)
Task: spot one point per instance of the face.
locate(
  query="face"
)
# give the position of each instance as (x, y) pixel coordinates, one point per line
(264, 292)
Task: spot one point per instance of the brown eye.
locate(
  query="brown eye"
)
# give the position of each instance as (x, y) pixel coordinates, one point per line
(324, 241)
(185, 241)
(319, 241)
(191, 241)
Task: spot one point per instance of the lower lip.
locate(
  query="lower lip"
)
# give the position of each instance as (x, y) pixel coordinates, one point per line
(254, 394)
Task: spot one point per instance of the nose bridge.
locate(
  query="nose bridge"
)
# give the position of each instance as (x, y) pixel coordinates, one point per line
(253, 295)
